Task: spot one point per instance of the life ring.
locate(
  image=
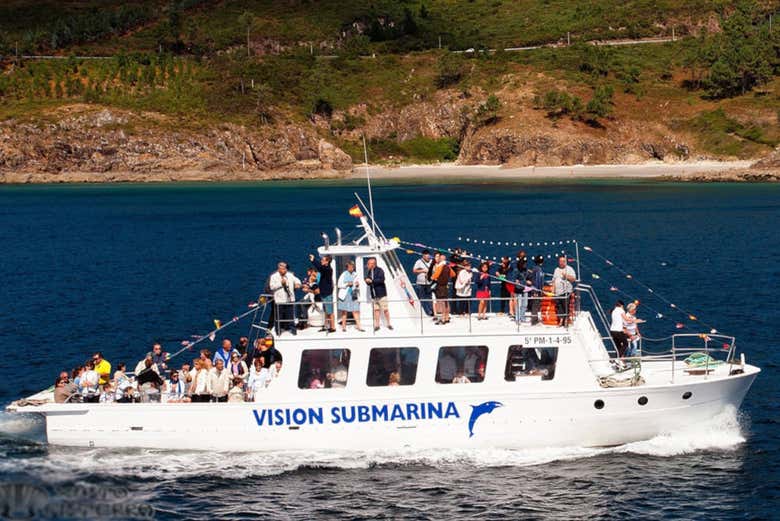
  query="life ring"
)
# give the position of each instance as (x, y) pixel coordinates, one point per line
(549, 312)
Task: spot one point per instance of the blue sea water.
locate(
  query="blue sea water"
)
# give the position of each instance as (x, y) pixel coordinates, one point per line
(114, 267)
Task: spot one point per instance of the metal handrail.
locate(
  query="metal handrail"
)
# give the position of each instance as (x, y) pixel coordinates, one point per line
(422, 316)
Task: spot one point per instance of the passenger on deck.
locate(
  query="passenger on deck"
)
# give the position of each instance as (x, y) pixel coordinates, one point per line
(483, 290)
(563, 278)
(160, 358)
(89, 383)
(75, 376)
(149, 382)
(311, 311)
(102, 367)
(205, 356)
(224, 353)
(349, 296)
(61, 391)
(442, 275)
(326, 289)
(220, 380)
(632, 330)
(200, 388)
(121, 380)
(521, 276)
(107, 395)
(275, 370)
(243, 346)
(537, 278)
(463, 289)
(617, 329)
(258, 380)
(421, 269)
(283, 285)
(437, 256)
(140, 366)
(502, 272)
(236, 393)
(237, 367)
(375, 279)
(176, 389)
(185, 375)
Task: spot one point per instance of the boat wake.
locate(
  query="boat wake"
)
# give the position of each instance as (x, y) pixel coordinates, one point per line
(723, 432)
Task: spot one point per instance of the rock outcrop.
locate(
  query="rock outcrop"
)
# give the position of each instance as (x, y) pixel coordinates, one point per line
(92, 143)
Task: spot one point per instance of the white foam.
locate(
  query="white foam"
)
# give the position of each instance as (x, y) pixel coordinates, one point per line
(722, 432)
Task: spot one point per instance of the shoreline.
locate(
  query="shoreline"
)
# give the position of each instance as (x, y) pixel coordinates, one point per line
(690, 171)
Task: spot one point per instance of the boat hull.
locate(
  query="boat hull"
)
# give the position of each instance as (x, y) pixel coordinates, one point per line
(479, 420)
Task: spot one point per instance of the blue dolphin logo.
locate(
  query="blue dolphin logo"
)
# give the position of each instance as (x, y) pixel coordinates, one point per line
(479, 410)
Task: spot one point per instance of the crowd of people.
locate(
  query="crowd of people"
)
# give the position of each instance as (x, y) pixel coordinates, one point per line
(446, 285)
(232, 374)
(452, 283)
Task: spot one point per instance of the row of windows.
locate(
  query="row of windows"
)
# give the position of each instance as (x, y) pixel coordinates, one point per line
(391, 366)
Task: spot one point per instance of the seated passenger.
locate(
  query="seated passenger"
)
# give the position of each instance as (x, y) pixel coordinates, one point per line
(107, 396)
(220, 380)
(160, 358)
(460, 378)
(61, 392)
(236, 393)
(120, 375)
(140, 366)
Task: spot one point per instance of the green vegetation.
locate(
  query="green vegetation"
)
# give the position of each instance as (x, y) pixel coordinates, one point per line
(255, 63)
(725, 135)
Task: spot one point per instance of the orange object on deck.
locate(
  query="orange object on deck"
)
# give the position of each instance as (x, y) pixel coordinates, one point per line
(549, 313)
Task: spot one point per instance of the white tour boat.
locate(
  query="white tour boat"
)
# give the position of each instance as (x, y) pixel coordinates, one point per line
(540, 385)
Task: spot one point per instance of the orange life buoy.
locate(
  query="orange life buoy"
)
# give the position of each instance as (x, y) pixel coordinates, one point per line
(549, 312)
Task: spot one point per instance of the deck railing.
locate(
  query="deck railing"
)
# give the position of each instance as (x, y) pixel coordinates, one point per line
(545, 309)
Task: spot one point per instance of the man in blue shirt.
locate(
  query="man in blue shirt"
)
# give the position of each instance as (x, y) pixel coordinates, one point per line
(224, 353)
(375, 278)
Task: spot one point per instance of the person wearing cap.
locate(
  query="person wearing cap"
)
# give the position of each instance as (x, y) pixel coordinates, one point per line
(563, 277)
(421, 268)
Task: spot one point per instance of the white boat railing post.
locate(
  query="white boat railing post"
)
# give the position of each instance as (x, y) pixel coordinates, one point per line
(707, 352)
(674, 354)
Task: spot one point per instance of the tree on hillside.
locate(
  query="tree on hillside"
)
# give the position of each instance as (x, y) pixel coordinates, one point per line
(247, 21)
(741, 56)
(600, 106)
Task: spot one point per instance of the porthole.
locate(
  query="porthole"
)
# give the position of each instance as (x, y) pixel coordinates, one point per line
(642, 400)
(598, 404)
(687, 394)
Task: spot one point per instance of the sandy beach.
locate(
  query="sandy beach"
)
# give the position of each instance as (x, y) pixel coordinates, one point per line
(649, 170)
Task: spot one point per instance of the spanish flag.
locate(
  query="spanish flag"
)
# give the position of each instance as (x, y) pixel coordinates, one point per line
(355, 211)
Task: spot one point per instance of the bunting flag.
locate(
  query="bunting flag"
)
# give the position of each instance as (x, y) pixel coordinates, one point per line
(212, 336)
(595, 276)
(726, 346)
(679, 325)
(692, 317)
(217, 323)
(612, 288)
(355, 211)
(253, 305)
(659, 315)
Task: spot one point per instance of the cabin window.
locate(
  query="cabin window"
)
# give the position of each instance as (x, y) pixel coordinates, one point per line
(461, 364)
(324, 369)
(392, 366)
(528, 361)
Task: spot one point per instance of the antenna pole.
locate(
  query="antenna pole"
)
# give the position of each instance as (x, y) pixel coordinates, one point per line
(368, 182)
(577, 247)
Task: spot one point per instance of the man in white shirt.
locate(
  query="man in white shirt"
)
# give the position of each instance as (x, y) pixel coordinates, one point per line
(421, 268)
(563, 277)
(89, 383)
(220, 381)
(617, 329)
(283, 284)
